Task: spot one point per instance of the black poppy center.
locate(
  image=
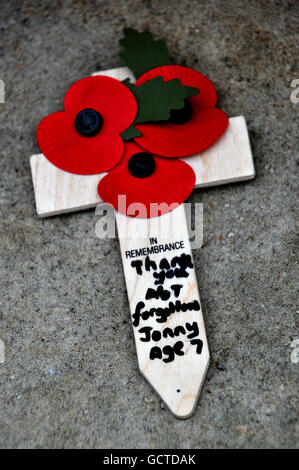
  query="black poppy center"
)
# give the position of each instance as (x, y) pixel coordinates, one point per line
(181, 116)
(88, 122)
(141, 165)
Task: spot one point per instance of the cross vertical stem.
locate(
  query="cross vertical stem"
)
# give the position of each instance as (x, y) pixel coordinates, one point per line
(168, 324)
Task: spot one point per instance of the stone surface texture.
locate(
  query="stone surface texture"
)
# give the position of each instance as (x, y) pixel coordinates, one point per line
(70, 377)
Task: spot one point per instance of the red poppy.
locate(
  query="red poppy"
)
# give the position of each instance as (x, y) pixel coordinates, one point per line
(85, 138)
(147, 179)
(190, 130)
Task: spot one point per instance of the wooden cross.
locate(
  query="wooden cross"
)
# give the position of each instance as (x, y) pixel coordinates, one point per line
(168, 324)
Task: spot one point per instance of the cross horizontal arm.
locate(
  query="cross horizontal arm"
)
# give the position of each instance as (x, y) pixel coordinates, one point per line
(228, 160)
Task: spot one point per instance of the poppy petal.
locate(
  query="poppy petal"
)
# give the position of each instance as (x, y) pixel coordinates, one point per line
(173, 141)
(110, 97)
(68, 150)
(206, 125)
(168, 186)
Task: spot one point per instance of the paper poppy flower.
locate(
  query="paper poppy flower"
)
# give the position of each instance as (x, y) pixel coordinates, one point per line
(189, 130)
(154, 182)
(85, 138)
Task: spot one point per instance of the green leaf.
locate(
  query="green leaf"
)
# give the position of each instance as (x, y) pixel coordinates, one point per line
(130, 133)
(156, 99)
(141, 52)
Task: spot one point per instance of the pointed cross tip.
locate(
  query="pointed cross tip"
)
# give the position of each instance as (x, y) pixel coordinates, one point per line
(181, 399)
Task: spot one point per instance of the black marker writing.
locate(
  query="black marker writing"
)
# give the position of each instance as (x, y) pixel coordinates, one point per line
(156, 335)
(161, 313)
(168, 351)
(177, 267)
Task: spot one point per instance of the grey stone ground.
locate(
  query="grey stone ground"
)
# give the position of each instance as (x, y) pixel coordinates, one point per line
(70, 378)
